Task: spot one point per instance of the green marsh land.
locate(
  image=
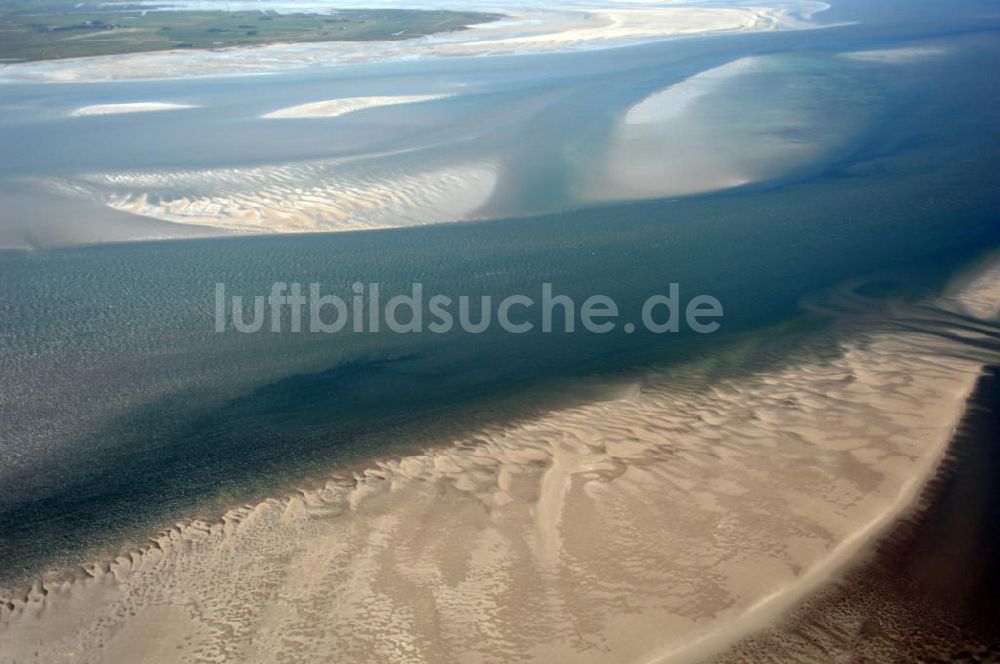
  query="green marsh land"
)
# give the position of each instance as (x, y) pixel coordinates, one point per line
(50, 29)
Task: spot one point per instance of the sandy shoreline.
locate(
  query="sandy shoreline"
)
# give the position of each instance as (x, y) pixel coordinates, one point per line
(561, 27)
(929, 589)
(658, 523)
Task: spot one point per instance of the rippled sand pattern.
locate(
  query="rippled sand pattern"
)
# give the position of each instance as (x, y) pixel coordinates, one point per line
(297, 197)
(624, 530)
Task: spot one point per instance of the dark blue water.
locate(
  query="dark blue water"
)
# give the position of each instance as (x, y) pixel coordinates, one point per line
(121, 407)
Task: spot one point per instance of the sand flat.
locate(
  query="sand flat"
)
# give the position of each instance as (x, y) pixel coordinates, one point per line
(298, 197)
(658, 524)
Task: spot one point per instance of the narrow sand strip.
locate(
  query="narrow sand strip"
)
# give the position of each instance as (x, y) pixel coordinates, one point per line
(137, 107)
(335, 107)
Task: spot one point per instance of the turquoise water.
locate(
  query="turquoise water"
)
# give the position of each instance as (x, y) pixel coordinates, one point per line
(122, 408)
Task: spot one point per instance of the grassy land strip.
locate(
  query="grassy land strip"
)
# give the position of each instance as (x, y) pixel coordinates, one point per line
(49, 29)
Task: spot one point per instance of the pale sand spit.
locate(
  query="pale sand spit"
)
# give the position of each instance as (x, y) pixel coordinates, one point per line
(682, 140)
(137, 107)
(335, 107)
(674, 101)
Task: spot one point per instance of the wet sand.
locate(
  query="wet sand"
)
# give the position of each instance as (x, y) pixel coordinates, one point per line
(930, 590)
(303, 197)
(659, 524)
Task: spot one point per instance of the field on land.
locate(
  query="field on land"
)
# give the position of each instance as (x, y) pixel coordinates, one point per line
(49, 29)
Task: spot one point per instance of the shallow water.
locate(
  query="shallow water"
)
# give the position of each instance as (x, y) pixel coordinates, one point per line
(531, 133)
(122, 409)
